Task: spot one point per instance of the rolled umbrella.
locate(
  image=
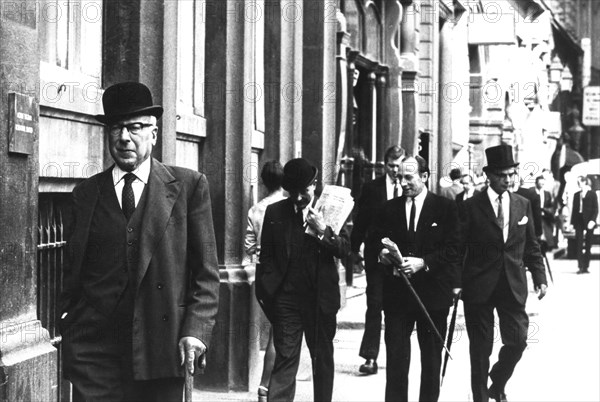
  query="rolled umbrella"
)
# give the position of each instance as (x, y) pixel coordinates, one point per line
(450, 336)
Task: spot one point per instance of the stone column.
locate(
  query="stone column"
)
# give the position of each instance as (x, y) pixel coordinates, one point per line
(28, 362)
(393, 17)
(409, 41)
(447, 110)
(226, 154)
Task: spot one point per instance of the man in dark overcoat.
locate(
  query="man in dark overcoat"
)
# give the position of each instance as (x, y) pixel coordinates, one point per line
(372, 197)
(297, 283)
(584, 213)
(499, 240)
(424, 226)
(141, 292)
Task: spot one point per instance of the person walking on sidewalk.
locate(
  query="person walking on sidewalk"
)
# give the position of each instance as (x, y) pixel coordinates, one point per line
(373, 195)
(271, 175)
(141, 292)
(584, 213)
(424, 226)
(297, 283)
(498, 236)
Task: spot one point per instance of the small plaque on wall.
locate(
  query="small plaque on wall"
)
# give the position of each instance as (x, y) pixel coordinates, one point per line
(22, 123)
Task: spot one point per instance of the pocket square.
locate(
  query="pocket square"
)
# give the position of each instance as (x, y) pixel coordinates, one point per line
(433, 224)
(523, 221)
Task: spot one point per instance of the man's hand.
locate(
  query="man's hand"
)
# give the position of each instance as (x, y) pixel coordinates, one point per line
(387, 258)
(591, 225)
(412, 265)
(315, 220)
(190, 349)
(541, 291)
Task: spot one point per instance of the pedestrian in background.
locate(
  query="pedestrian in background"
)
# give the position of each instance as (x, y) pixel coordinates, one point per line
(424, 226)
(584, 213)
(272, 176)
(469, 189)
(455, 188)
(499, 242)
(546, 212)
(141, 290)
(374, 194)
(297, 283)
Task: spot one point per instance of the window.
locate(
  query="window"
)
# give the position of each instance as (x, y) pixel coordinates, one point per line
(71, 54)
(190, 67)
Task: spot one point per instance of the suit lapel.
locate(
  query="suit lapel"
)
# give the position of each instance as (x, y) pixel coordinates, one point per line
(163, 191)
(486, 207)
(516, 213)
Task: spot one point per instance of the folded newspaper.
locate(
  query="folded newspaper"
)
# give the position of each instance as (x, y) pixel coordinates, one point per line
(335, 203)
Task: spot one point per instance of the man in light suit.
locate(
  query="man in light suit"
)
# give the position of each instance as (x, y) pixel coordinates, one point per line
(584, 213)
(372, 197)
(498, 234)
(141, 292)
(425, 228)
(297, 283)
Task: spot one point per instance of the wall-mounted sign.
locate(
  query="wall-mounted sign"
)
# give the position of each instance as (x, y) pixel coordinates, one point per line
(22, 123)
(492, 29)
(591, 106)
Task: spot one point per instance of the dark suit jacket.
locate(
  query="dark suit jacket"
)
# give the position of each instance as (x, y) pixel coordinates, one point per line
(486, 253)
(177, 271)
(371, 199)
(278, 246)
(536, 208)
(460, 197)
(437, 242)
(590, 209)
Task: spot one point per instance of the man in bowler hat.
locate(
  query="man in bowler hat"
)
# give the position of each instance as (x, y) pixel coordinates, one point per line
(297, 283)
(499, 240)
(141, 292)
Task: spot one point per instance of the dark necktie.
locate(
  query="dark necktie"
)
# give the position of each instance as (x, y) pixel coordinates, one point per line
(413, 212)
(300, 217)
(395, 189)
(500, 217)
(128, 199)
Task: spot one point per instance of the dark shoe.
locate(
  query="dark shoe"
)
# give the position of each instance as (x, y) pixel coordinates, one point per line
(496, 394)
(370, 367)
(262, 394)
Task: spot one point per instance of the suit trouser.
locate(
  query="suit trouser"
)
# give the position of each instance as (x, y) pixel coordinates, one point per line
(514, 323)
(97, 356)
(398, 330)
(294, 316)
(583, 241)
(369, 347)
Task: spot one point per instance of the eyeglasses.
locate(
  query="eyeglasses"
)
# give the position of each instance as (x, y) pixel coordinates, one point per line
(132, 128)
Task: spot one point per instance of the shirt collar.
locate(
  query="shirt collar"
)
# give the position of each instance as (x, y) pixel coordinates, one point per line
(142, 172)
(389, 180)
(420, 198)
(493, 196)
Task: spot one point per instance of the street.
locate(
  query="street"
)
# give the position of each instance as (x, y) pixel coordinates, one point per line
(561, 362)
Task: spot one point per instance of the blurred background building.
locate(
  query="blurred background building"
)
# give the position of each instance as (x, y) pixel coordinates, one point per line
(246, 81)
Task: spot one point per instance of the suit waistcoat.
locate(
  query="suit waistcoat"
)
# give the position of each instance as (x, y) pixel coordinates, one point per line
(112, 251)
(301, 275)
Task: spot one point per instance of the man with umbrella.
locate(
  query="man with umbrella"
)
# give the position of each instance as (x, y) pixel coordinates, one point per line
(499, 237)
(424, 226)
(297, 283)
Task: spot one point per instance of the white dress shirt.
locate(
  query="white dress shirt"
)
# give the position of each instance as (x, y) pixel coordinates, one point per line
(493, 196)
(389, 188)
(141, 173)
(418, 200)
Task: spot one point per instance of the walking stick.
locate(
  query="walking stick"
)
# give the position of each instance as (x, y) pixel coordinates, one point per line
(393, 248)
(189, 378)
(450, 336)
(548, 266)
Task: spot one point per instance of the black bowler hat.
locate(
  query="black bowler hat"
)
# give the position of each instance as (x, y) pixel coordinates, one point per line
(127, 99)
(500, 157)
(298, 174)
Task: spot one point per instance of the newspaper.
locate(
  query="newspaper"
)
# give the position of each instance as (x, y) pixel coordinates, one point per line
(335, 203)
